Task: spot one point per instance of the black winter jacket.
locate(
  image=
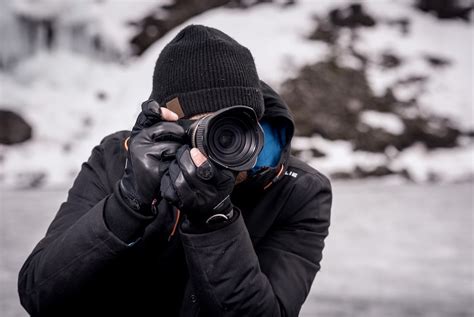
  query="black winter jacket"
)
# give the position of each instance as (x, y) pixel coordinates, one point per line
(261, 264)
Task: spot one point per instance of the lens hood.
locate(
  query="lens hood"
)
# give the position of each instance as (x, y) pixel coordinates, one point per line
(230, 137)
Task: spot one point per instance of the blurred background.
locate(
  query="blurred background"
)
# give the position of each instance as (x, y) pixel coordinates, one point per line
(382, 93)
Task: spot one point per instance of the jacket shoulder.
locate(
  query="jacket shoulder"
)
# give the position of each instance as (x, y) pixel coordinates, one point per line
(302, 192)
(113, 152)
(297, 167)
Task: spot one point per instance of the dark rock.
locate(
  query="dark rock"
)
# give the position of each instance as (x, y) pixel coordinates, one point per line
(328, 27)
(327, 92)
(386, 103)
(446, 9)
(433, 178)
(325, 32)
(437, 61)
(102, 95)
(313, 152)
(341, 175)
(434, 132)
(13, 128)
(403, 23)
(351, 17)
(374, 172)
(373, 140)
(412, 79)
(327, 99)
(245, 4)
(289, 3)
(153, 28)
(67, 147)
(469, 133)
(32, 180)
(87, 121)
(379, 171)
(317, 153)
(390, 60)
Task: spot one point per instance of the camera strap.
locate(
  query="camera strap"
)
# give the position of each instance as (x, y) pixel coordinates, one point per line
(276, 178)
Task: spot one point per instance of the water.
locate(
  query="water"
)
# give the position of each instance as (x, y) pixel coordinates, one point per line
(393, 250)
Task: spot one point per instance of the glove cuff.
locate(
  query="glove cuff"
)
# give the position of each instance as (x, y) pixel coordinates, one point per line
(220, 218)
(131, 201)
(124, 222)
(203, 227)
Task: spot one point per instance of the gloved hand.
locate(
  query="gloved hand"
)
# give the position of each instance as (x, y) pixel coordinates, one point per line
(150, 152)
(151, 114)
(201, 191)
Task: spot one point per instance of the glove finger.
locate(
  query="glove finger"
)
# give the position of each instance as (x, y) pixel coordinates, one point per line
(151, 108)
(149, 116)
(164, 151)
(162, 139)
(167, 190)
(206, 174)
(186, 163)
(167, 131)
(175, 188)
(205, 171)
(224, 176)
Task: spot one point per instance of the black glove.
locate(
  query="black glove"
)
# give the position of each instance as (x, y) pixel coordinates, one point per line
(202, 193)
(150, 152)
(149, 116)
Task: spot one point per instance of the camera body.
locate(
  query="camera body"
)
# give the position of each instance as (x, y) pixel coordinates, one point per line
(231, 137)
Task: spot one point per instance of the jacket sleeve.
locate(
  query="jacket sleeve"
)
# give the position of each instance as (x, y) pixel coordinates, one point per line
(78, 245)
(232, 278)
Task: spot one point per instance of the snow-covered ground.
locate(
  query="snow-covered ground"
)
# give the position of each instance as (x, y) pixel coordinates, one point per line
(74, 98)
(392, 250)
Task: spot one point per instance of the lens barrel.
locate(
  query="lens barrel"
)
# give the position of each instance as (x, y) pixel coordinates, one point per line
(231, 137)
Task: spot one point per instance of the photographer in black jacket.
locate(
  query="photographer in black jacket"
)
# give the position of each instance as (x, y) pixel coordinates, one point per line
(152, 227)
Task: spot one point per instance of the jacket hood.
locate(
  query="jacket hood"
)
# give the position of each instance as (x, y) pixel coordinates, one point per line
(278, 114)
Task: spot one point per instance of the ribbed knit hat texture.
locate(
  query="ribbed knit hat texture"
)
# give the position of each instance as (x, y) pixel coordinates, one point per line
(206, 70)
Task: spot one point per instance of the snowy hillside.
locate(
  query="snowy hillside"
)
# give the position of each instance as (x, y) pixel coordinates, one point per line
(73, 97)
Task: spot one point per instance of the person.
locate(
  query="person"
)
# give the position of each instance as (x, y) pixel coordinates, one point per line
(134, 238)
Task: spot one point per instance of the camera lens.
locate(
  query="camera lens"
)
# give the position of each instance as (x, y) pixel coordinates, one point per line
(227, 139)
(230, 137)
(231, 140)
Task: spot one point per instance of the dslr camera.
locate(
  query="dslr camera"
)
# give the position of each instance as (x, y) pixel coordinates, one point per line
(231, 137)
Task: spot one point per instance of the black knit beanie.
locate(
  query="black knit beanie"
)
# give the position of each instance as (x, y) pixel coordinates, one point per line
(203, 70)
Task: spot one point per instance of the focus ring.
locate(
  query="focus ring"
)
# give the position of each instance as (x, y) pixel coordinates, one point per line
(198, 138)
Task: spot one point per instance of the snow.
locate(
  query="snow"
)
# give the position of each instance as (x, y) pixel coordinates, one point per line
(57, 91)
(448, 90)
(339, 155)
(386, 121)
(449, 165)
(425, 230)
